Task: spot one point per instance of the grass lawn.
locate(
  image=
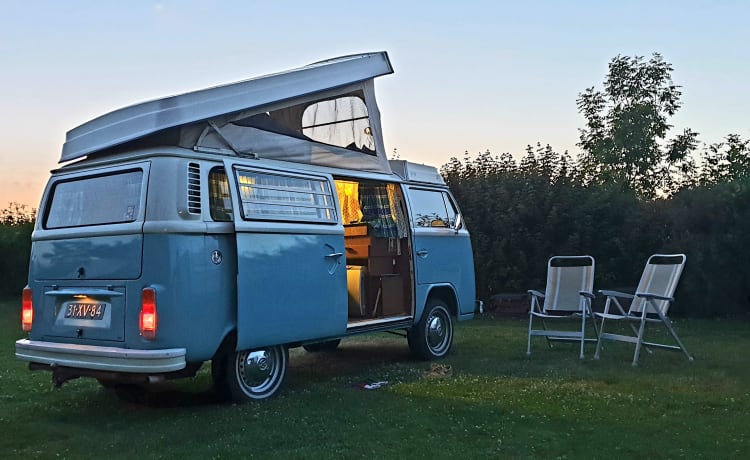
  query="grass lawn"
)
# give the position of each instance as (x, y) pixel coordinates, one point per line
(495, 403)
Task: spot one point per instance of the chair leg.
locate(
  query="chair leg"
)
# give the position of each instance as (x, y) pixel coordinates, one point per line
(593, 321)
(528, 347)
(546, 337)
(583, 332)
(599, 339)
(639, 343)
(668, 323)
(637, 334)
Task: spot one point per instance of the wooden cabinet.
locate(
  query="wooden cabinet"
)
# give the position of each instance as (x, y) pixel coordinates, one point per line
(386, 294)
(375, 260)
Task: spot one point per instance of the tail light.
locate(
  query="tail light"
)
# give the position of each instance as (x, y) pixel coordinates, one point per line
(27, 310)
(148, 319)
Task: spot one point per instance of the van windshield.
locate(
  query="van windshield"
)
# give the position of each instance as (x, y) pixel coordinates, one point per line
(95, 200)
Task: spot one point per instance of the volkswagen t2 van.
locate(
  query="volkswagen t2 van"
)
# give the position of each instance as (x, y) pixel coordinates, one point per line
(232, 223)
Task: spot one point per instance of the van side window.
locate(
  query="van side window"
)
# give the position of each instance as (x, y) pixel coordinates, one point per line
(451, 208)
(285, 197)
(95, 200)
(429, 209)
(219, 199)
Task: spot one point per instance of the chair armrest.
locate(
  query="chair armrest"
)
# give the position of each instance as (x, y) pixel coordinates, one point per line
(535, 293)
(616, 294)
(588, 294)
(647, 295)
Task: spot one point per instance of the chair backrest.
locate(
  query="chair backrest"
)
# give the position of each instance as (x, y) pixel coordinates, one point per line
(660, 276)
(566, 277)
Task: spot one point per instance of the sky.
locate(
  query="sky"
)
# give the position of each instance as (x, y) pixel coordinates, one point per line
(469, 76)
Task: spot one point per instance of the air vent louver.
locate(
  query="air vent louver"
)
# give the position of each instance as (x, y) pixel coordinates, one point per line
(194, 188)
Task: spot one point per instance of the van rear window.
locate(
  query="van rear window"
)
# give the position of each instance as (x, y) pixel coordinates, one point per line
(95, 200)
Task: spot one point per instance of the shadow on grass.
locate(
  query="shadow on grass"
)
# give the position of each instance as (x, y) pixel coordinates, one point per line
(353, 362)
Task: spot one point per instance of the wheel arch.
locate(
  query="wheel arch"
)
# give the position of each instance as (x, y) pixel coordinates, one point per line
(227, 344)
(447, 294)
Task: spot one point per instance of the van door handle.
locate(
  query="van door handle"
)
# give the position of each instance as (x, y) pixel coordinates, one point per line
(422, 253)
(334, 260)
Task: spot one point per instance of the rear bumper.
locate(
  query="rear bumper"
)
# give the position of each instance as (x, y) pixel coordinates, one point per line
(110, 359)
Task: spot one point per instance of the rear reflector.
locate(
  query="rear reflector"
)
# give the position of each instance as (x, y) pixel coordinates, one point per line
(27, 310)
(148, 319)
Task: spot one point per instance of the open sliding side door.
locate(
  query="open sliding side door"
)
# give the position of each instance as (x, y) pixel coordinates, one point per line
(291, 280)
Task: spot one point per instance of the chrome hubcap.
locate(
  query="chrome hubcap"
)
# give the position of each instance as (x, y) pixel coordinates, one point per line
(259, 370)
(437, 333)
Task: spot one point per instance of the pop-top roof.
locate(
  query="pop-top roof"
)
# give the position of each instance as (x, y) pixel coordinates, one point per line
(242, 99)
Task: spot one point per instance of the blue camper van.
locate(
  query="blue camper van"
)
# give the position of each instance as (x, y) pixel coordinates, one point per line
(233, 223)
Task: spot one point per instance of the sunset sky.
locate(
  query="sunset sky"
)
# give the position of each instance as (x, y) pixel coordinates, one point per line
(471, 75)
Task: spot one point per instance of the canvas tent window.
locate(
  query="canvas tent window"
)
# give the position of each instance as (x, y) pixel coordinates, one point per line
(340, 121)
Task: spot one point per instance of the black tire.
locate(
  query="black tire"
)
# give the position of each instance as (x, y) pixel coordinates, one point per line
(108, 384)
(432, 336)
(219, 376)
(250, 375)
(329, 345)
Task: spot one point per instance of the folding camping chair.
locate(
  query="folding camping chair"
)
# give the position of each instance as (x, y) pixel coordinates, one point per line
(650, 304)
(568, 294)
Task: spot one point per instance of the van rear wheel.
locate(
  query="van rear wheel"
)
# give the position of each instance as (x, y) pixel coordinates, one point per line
(432, 336)
(251, 375)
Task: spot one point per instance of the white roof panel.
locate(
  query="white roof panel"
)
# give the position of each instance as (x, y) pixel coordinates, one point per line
(415, 172)
(142, 119)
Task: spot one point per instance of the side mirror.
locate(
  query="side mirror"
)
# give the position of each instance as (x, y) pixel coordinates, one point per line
(458, 224)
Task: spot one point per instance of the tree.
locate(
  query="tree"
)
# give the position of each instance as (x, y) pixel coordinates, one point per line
(625, 138)
(16, 225)
(726, 161)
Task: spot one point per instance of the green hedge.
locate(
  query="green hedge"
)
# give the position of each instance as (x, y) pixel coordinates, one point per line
(519, 216)
(16, 225)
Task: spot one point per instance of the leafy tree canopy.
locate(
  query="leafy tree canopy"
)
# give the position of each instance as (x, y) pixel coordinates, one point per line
(625, 138)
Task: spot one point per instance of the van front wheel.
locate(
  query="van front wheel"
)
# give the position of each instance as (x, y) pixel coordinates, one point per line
(432, 336)
(255, 374)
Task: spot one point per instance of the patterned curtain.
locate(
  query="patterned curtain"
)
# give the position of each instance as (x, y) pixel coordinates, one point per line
(376, 211)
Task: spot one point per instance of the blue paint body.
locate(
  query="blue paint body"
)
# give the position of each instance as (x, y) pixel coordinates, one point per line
(288, 291)
(252, 282)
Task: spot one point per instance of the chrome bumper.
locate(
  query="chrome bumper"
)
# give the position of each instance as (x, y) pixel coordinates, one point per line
(101, 358)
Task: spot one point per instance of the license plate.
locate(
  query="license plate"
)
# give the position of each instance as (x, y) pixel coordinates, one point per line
(80, 310)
